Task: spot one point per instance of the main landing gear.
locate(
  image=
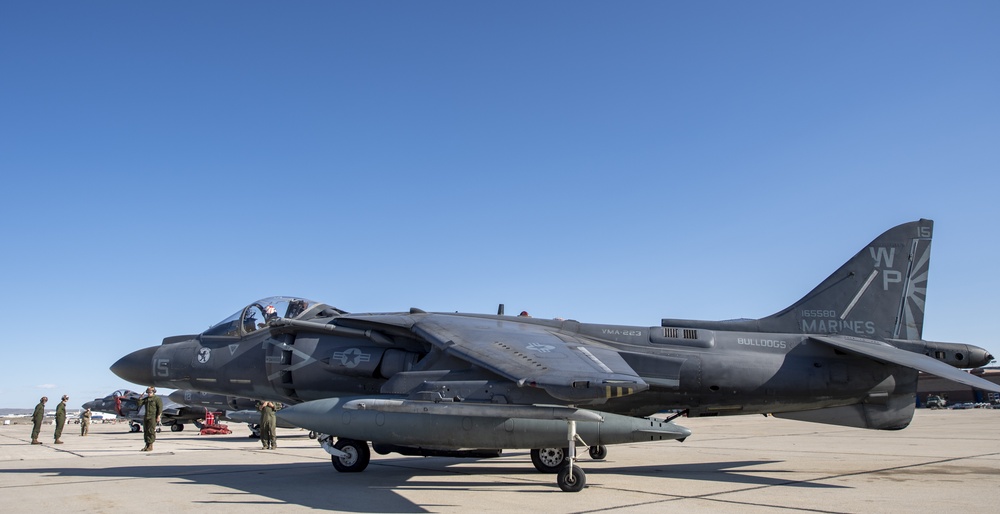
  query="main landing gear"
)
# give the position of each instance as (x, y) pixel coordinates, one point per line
(561, 461)
(551, 460)
(347, 455)
(353, 456)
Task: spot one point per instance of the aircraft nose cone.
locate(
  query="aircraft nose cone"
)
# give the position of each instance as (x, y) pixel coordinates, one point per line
(136, 367)
(978, 357)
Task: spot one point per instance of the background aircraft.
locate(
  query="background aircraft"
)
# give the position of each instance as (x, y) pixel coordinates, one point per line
(124, 403)
(421, 383)
(227, 408)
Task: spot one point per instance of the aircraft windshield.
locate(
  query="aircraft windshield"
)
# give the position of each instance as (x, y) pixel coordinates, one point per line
(259, 314)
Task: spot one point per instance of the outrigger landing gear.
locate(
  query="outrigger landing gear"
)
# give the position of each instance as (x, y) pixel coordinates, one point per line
(599, 452)
(571, 478)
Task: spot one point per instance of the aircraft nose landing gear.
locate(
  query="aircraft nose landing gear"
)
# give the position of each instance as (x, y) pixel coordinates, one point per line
(571, 477)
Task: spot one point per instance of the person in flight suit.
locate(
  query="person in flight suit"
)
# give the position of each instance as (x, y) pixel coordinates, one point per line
(85, 422)
(61, 418)
(267, 425)
(36, 419)
(154, 408)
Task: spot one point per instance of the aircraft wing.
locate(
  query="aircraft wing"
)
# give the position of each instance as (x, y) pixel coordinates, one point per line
(885, 353)
(568, 367)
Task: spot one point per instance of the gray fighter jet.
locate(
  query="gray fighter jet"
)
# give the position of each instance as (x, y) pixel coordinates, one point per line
(227, 408)
(125, 404)
(423, 383)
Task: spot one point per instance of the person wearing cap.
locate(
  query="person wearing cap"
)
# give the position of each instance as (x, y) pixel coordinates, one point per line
(154, 408)
(85, 422)
(61, 418)
(267, 423)
(36, 419)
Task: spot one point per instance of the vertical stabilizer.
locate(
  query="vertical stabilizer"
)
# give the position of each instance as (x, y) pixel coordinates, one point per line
(879, 293)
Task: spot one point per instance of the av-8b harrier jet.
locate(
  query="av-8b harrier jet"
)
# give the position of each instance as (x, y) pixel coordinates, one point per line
(227, 408)
(425, 383)
(125, 403)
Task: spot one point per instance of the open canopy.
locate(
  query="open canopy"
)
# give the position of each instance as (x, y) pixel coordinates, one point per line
(258, 314)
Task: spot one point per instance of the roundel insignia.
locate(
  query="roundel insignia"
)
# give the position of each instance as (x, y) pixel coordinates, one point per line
(352, 357)
(541, 348)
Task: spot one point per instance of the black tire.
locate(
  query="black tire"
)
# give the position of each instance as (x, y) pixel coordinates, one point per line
(599, 452)
(176, 427)
(549, 460)
(358, 456)
(135, 427)
(313, 434)
(571, 479)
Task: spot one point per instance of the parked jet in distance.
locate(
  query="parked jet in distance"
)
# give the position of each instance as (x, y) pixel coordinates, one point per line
(125, 403)
(226, 408)
(422, 383)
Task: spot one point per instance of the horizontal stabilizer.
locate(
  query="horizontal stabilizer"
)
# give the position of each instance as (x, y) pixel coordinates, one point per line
(890, 354)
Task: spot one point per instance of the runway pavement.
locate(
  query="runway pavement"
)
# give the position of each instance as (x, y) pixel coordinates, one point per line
(945, 461)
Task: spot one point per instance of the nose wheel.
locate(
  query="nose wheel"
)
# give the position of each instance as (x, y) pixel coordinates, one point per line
(571, 477)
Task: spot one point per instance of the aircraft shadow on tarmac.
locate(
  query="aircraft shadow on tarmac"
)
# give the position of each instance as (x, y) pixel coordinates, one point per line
(317, 485)
(727, 472)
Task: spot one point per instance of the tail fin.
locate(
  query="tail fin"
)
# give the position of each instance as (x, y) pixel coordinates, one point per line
(878, 294)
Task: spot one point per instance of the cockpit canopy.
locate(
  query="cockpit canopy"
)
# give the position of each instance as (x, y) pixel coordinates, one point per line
(259, 314)
(124, 393)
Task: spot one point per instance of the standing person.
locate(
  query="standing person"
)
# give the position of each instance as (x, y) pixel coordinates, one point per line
(36, 419)
(154, 408)
(267, 422)
(61, 418)
(85, 422)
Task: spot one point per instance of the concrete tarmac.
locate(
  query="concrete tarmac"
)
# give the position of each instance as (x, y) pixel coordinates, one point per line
(945, 460)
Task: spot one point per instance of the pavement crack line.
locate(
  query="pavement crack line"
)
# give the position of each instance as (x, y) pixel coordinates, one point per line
(712, 496)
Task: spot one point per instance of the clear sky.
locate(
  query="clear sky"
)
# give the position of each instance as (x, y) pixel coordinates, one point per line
(162, 164)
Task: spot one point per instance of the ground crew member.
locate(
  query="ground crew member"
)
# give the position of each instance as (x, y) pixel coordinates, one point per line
(61, 418)
(267, 423)
(36, 419)
(154, 408)
(85, 422)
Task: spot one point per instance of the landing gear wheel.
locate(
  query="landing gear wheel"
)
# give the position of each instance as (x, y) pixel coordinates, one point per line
(549, 460)
(135, 427)
(313, 434)
(358, 456)
(571, 479)
(176, 427)
(598, 452)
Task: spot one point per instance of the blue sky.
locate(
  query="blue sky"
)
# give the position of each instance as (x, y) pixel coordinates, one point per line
(165, 164)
